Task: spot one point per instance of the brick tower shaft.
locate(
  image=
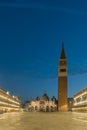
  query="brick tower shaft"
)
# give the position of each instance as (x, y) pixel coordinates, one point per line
(62, 82)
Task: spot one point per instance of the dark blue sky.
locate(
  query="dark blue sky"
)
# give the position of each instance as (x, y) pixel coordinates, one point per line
(31, 35)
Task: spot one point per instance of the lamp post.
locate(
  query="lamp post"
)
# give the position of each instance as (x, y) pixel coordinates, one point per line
(7, 100)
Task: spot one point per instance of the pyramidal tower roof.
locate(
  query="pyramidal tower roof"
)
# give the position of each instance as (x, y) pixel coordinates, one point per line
(63, 56)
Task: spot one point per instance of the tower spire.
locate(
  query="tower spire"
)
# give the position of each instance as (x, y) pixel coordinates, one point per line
(62, 56)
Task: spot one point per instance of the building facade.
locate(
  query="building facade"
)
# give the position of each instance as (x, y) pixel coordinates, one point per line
(43, 104)
(80, 101)
(62, 82)
(70, 104)
(9, 102)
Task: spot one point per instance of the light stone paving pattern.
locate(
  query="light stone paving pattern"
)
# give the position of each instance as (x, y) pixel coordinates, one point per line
(43, 121)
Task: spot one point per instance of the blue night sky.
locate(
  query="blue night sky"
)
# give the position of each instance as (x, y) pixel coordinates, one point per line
(31, 35)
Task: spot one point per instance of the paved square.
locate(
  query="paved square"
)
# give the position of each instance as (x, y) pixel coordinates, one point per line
(43, 121)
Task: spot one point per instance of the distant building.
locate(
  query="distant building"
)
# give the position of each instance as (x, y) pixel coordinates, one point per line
(43, 104)
(70, 104)
(80, 101)
(9, 102)
(62, 82)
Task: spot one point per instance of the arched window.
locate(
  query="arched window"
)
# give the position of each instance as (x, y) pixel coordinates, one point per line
(47, 108)
(36, 108)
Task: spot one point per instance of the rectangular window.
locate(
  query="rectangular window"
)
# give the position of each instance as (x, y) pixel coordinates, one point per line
(62, 70)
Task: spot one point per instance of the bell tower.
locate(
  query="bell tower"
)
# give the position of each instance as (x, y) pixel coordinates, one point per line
(62, 82)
